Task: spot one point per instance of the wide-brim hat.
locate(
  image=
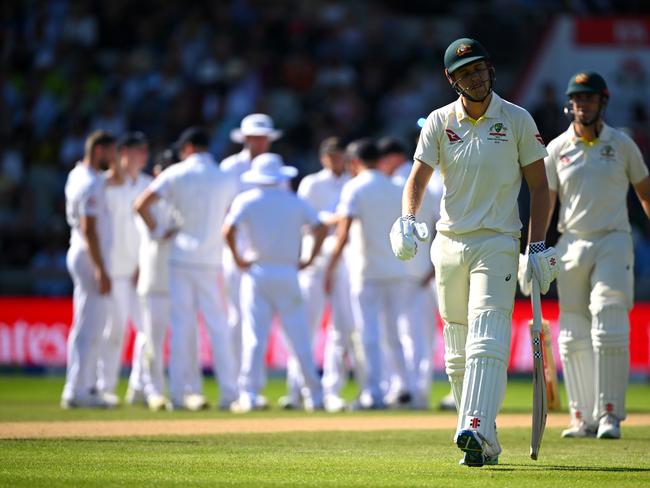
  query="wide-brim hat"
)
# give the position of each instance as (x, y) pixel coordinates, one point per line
(255, 125)
(268, 169)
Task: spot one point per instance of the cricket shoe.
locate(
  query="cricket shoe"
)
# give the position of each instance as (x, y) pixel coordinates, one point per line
(243, 404)
(579, 429)
(157, 402)
(93, 400)
(334, 404)
(398, 400)
(261, 403)
(609, 427)
(448, 402)
(289, 402)
(477, 449)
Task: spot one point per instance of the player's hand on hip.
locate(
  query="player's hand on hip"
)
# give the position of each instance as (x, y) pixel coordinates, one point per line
(103, 281)
(542, 264)
(525, 285)
(403, 236)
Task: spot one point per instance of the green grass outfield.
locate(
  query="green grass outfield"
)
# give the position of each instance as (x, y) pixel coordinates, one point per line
(379, 458)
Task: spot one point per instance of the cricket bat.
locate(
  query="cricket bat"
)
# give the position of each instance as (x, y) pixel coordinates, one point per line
(550, 371)
(540, 406)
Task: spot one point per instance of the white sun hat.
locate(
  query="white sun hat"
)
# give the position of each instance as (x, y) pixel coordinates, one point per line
(255, 125)
(268, 169)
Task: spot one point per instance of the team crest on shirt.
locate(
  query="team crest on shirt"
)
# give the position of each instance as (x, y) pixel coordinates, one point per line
(453, 137)
(608, 152)
(498, 133)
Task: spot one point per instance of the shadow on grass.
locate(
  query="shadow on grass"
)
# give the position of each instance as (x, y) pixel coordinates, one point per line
(550, 467)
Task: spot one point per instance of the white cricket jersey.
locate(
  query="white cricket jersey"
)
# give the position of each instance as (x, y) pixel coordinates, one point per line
(374, 202)
(153, 261)
(592, 179)
(126, 242)
(322, 190)
(200, 194)
(429, 212)
(480, 162)
(85, 196)
(273, 220)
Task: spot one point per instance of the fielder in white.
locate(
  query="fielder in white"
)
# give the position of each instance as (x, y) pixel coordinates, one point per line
(418, 324)
(124, 182)
(273, 220)
(369, 203)
(322, 190)
(482, 144)
(90, 241)
(256, 132)
(590, 168)
(153, 288)
(200, 193)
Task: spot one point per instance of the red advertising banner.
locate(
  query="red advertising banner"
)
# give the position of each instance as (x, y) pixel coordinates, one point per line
(33, 332)
(613, 31)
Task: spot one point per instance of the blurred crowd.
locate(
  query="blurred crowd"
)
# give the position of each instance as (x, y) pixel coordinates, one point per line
(318, 67)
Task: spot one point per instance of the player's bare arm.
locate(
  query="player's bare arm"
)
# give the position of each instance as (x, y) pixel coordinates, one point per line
(415, 187)
(642, 189)
(143, 204)
(552, 195)
(535, 175)
(88, 226)
(319, 233)
(342, 234)
(229, 233)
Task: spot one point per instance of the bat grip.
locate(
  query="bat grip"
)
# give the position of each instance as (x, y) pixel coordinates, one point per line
(537, 306)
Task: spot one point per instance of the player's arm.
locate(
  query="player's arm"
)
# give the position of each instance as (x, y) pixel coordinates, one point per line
(143, 205)
(342, 234)
(540, 206)
(319, 233)
(229, 233)
(415, 186)
(88, 227)
(642, 189)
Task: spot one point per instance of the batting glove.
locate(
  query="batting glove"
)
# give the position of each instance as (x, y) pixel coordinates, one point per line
(403, 236)
(543, 264)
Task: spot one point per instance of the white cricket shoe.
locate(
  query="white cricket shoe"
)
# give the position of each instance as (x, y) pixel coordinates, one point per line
(288, 402)
(92, 400)
(195, 402)
(242, 405)
(447, 402)
(334, 403)
(261, 403)
(579, 429)
(157, 403)
(609, 427)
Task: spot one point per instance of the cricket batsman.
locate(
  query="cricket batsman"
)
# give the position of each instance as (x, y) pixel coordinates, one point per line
(483, 145)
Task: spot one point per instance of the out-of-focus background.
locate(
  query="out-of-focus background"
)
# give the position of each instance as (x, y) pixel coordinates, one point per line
(318, 67)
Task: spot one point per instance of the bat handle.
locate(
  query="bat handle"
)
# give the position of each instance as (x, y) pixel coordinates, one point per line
(537, 306)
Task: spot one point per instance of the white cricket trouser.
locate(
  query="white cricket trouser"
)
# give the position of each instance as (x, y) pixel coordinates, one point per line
(476, 275)
(156, 317)
(417, 327)
(88, 321)
(596, 291)
(377, 306)
(124, 304)
(267, 290)
(194, 290)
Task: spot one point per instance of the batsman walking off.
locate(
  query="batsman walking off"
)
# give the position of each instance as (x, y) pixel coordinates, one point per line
(482, 144)
(590, 168)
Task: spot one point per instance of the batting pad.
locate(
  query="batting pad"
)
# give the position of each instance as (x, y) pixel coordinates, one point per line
(578, 362)
(611, 335)
(455, 337)
(488, 347)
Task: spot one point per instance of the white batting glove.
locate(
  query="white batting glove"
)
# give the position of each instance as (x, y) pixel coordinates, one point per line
(403, 236)
(543, 264)
(525, 285)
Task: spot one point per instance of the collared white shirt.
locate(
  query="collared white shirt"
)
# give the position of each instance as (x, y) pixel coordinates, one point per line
(126, 242)
(273, 220)
(480, 163)
(85, 196)
(200, 194)
(592, 179)
(374, 202)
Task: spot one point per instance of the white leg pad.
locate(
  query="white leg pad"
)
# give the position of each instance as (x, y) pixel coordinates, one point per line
(578, 364)
(611, 337)
(455, 336)
(488, 349)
